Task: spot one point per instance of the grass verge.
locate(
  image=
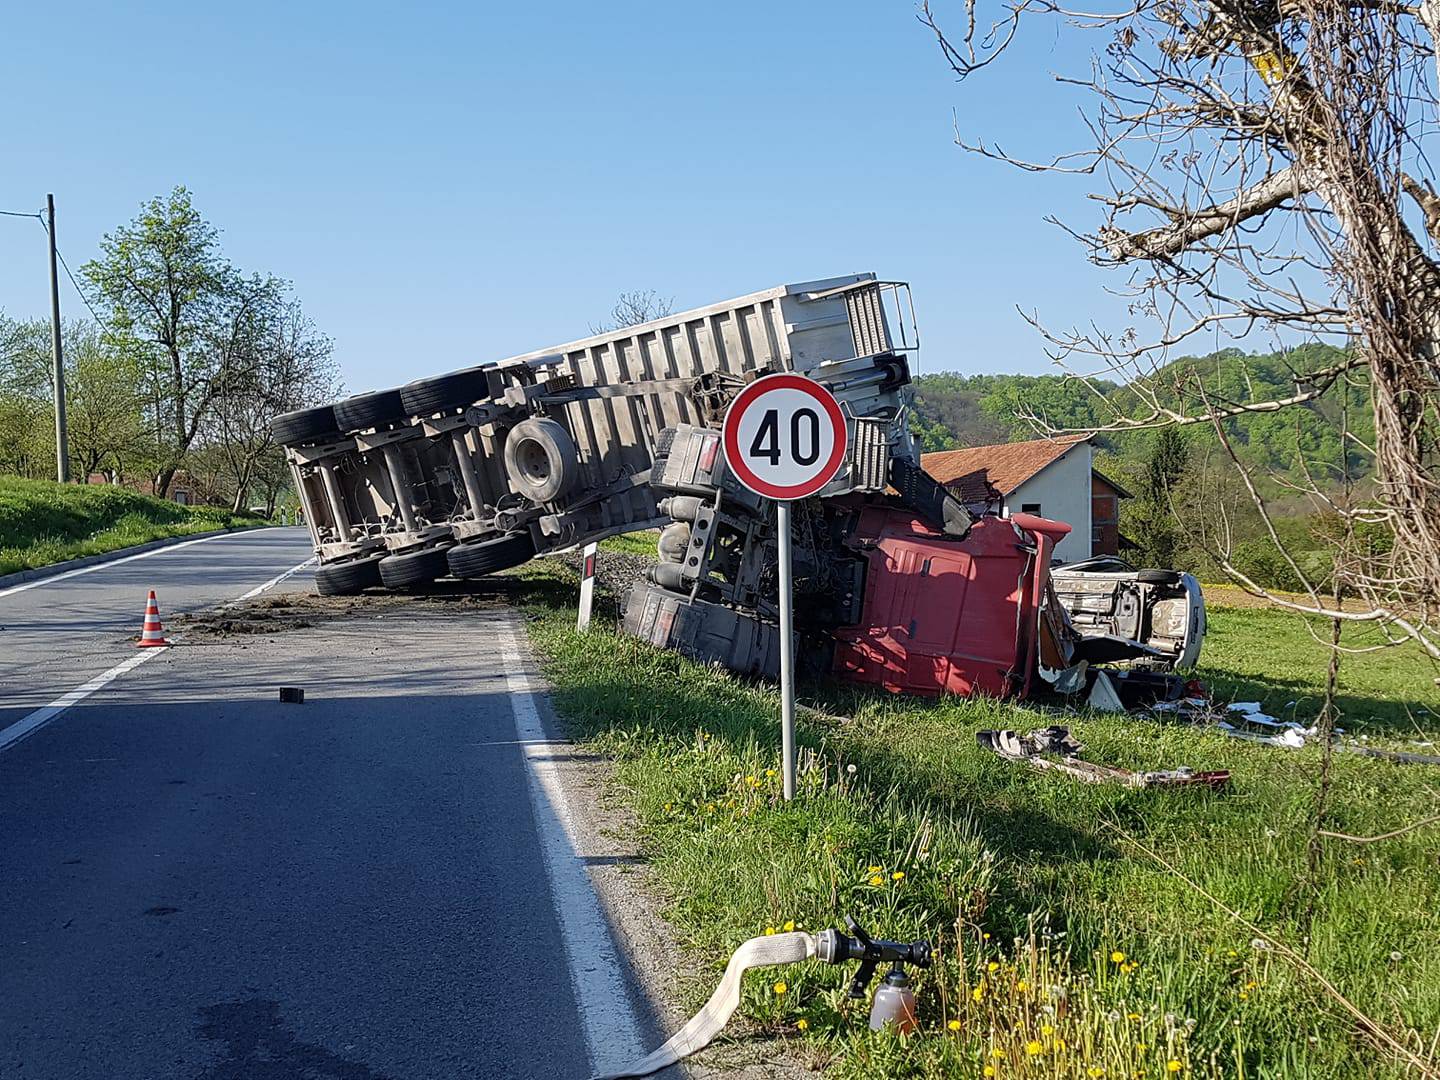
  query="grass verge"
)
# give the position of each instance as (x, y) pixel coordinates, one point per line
(1074, 942)
(42, 522)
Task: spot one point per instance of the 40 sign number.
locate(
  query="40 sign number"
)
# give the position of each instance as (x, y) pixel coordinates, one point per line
(784, 437)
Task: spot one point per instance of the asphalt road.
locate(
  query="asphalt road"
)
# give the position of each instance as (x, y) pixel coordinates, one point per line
(197, 881)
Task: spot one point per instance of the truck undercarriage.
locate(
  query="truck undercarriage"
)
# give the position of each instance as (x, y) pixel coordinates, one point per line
(898, 585)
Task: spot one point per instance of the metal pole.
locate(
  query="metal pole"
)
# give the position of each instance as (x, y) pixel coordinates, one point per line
(787, 652)
(62, 444)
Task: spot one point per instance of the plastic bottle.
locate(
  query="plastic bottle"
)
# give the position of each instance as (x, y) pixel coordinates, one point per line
(894, 1004)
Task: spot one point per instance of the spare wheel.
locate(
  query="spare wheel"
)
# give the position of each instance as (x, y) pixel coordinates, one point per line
(540, 460)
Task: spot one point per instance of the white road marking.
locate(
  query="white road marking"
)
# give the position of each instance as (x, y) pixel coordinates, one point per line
(51, 580)
(612, 1034)
(270, 584)
(33, 722)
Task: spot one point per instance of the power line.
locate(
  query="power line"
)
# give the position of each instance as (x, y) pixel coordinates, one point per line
(83, 298)
(16, 213)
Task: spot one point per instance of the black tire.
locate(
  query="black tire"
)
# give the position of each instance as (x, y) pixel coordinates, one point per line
(304, 426)
(541, 462)
(481, 557)
(365, 411)
(426, 397)
(408, 569)
(1158, 577)
(348, 578)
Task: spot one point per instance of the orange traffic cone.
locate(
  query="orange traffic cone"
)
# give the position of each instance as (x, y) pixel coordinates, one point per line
(153, 635)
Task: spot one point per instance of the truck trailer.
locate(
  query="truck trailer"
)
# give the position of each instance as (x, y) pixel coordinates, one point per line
(898, 583)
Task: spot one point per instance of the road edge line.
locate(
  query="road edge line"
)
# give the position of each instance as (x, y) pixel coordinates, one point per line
(596, 961)
(32, 722)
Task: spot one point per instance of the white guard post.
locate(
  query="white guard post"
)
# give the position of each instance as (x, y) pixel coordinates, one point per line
(587, 587)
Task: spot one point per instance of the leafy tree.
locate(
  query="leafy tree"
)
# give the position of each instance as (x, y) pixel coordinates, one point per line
(170, 296)
(1152, 525)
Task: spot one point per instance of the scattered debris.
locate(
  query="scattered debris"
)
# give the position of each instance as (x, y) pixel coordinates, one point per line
(1055, 748)
(292, 695)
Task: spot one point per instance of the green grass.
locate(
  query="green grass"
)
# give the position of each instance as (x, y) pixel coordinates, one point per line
(42, 522)
(638, 543)
(1031, 872)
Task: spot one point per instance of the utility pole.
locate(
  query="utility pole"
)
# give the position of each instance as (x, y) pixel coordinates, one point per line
(62, 443)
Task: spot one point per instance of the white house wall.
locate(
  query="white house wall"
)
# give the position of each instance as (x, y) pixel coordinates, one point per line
(1062, 489)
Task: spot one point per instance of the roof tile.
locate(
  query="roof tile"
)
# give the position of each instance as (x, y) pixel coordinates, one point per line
(1003, 466)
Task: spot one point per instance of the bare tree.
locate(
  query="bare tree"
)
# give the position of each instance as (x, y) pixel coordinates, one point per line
(633, 308)
(1266, 169)
(273, 360)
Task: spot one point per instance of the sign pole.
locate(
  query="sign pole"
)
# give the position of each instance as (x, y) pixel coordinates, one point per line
(787, 651)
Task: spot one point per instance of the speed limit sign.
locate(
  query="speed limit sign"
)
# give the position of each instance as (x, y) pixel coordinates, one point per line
(784, 437)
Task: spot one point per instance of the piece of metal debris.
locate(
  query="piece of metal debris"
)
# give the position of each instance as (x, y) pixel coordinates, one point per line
(1054, 748)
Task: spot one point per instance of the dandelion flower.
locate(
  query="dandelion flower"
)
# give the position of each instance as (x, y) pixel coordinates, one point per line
(1117, 957)
(769, 930)
(996, 1052)
(770, 773)
(953, 1025)
(1047, 1030)
(898, 875)
(1132, 1017)
(877, 880)
(986, 936)
(1173, 1066)
(1095, 1072)
(989, 1070)
(801, 1024)
(873, 869)
(978, 993)
(1022, 986)
(1142, 1047)
(1059, 1045)
(789, 925)
(780, 988)
(1034, 1047)
(992, 967)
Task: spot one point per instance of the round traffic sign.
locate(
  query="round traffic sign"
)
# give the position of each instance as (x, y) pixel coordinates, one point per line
(784, 437)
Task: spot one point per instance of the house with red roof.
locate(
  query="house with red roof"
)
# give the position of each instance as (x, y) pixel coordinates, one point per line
(1055, 478)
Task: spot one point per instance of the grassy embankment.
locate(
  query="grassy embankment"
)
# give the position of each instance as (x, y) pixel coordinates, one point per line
(1075, 937)
(42, 522)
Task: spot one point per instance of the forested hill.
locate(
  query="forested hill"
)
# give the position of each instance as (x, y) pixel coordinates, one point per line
(974, 410)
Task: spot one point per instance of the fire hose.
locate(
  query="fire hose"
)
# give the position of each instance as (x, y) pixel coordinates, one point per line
(829, 946)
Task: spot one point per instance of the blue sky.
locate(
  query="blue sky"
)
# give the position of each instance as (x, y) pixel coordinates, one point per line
(448, 183)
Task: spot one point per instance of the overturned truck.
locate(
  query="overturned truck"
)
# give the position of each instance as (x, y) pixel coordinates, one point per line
(898, 584)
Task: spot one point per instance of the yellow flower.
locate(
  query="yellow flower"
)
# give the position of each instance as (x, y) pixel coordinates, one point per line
(873, 870)
(978, 993)
(1117, 957)
(780, 988)
(1022, 986)
(1047, 1030)
(989, 1070)
(877, 880)
(1251, 985)
(1133, 1017)
(992, 967)
(1172, 1066)
(769, 930)
(789, 925)
(667, 807)
(1034, 1047)
(801, 1024)
(953, 1025)
(1141, 1047)
(986, 936)
(770, 772)
(1095, 1071)
(996, 1052)
(898, 875)
(1059, 1044)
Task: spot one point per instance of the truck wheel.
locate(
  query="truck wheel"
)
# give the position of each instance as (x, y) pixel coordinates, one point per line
(426, 397)
(348, 578)
(304, 426)
(408, 569)
(365, 411)
(541, 461)
(481, 557)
